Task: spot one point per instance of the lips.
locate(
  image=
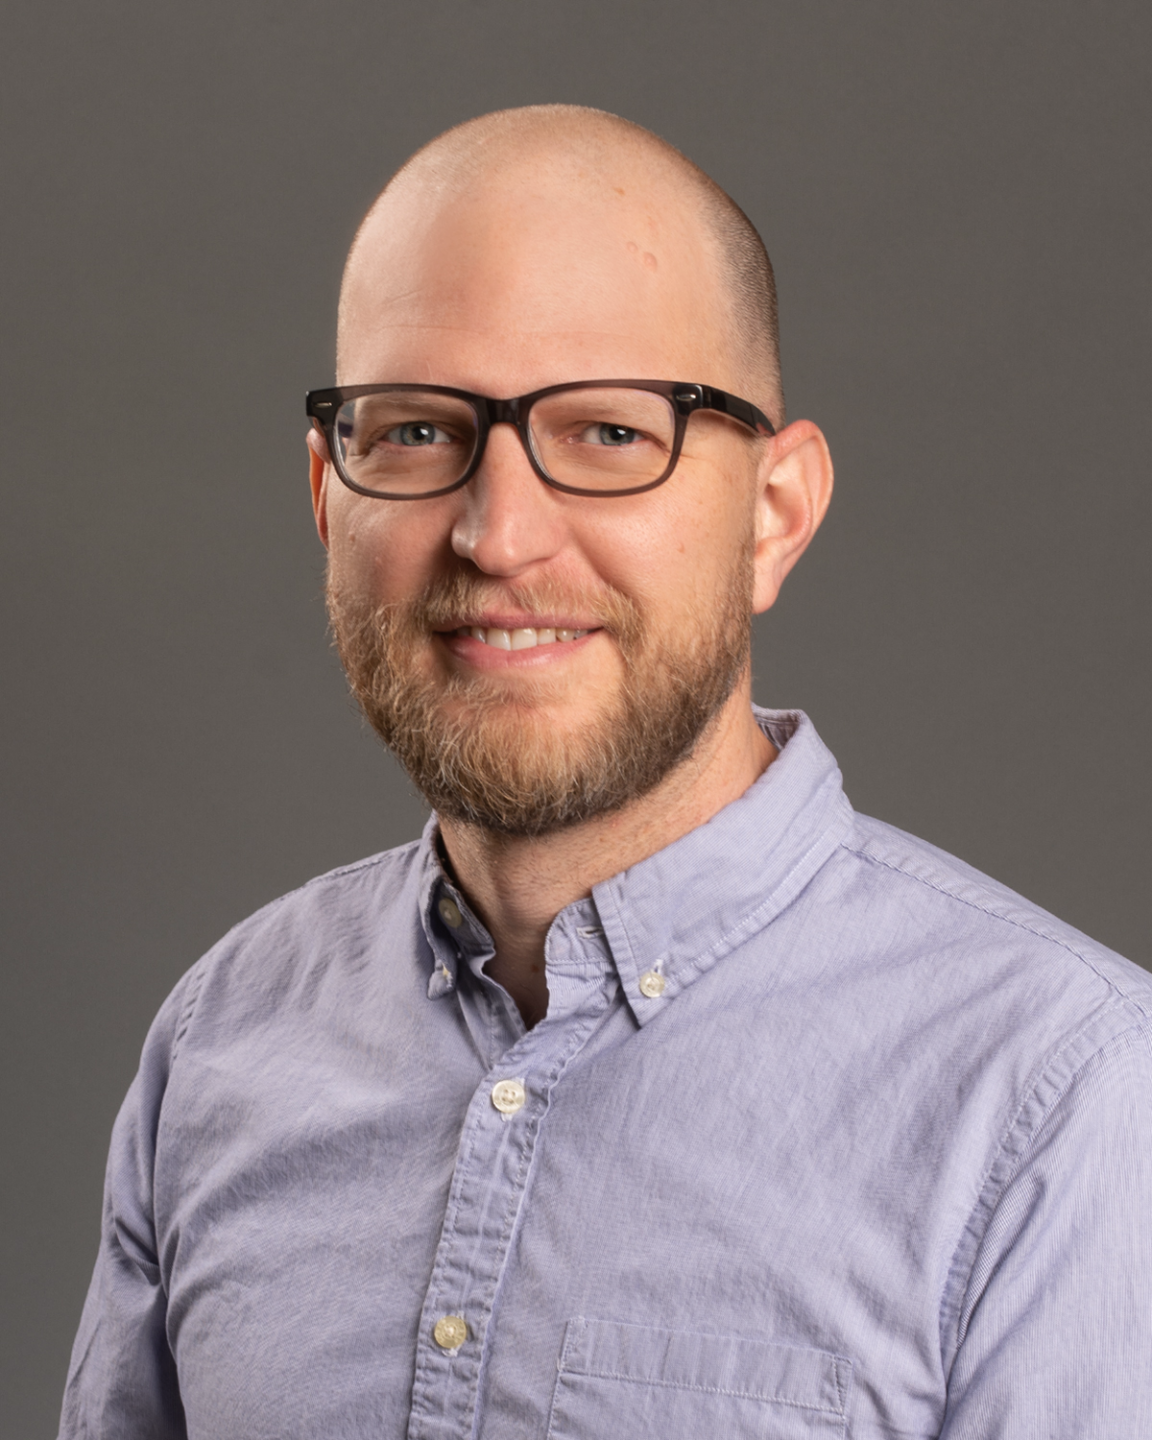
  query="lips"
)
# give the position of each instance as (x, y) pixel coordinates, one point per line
(523, 637)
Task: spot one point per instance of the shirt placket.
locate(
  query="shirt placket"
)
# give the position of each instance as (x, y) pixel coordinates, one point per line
(497, 1142)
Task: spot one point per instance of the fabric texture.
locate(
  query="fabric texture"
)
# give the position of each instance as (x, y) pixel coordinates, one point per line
(875, 1161)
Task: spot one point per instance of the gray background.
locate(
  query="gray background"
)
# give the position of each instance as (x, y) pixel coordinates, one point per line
(957, 200)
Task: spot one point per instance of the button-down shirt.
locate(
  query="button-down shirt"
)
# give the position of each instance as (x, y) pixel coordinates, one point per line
(824, 1134)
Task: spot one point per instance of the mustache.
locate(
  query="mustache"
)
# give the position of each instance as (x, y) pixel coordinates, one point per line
(463, 597)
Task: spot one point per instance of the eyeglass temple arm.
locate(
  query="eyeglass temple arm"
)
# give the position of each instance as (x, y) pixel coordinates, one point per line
(739, 409)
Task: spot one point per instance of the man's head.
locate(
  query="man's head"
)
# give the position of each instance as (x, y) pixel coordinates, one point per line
(608, 174)
(527, 249)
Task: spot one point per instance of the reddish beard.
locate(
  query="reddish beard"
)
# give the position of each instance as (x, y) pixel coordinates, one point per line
(483, 758)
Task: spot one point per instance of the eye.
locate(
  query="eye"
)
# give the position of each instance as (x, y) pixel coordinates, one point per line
(605, 434)
(418, 432)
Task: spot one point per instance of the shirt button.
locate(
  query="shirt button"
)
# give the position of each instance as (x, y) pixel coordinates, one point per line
(652, 984)
(450, 1332)
(450, 913)
(508, 1096)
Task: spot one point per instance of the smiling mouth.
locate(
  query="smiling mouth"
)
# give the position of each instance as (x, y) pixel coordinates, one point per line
(523, 638)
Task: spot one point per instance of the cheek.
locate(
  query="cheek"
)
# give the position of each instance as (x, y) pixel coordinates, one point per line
(676, 562)
(385, 549)
(695, 541)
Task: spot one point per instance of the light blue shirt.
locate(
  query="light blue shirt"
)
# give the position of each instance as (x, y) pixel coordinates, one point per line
(824, 1134)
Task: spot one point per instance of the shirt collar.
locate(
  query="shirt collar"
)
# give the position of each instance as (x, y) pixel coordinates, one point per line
(678, 912)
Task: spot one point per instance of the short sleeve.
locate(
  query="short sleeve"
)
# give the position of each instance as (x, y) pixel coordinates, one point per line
(1056, 1328)
(122, 1377)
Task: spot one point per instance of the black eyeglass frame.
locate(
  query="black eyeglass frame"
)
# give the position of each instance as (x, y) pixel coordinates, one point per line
(686, 397)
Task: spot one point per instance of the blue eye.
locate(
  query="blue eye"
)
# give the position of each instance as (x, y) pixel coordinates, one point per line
(605, 434)
(418, 432)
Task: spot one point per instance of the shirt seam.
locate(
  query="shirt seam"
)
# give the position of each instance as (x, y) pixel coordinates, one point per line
(993, 914)
(761, 915)
(989, 1199)
(196, 973)
(369, 862)
(195, 985)
(953, 1297)
(706, 1390)
(423, 1380)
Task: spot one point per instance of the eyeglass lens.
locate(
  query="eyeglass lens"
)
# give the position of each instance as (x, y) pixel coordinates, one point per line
(411, 442)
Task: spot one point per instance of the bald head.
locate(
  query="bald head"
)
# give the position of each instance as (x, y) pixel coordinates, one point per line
(563, 203)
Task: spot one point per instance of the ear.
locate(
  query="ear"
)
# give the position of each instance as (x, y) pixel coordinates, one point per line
(794, 486)
(317, 476)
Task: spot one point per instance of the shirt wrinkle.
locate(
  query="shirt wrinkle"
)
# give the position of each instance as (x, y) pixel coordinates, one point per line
(1055, 934)
(1055, 1079)
(882, 1171)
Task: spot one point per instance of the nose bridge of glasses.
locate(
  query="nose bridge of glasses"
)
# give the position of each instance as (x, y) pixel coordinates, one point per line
(505, 522)
(492, 412)
(504, 412)
(512, 412)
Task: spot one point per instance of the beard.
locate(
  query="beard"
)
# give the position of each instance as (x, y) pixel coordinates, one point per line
(489, 753)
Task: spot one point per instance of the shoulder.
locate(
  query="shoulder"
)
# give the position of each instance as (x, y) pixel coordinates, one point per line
(1016, 1049)
(349, 896)
(277, 960)
(984, 936)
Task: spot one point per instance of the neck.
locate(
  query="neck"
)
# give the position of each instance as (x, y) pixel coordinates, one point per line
(518, 885)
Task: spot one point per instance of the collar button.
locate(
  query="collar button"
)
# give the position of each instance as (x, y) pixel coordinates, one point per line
(450, 913)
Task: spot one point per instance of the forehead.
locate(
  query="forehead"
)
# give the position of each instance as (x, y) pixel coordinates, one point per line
(534, 276)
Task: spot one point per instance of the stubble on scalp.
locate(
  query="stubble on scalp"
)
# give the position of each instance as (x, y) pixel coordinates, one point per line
(489, 755)
(602, 148)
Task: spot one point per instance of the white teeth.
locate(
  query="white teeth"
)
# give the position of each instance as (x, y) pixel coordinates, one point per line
(524, 638)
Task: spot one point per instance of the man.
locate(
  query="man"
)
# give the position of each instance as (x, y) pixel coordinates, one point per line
(653, 1092)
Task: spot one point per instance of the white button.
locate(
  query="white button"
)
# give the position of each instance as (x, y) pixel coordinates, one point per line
(450, 1332)
(652, 984)
(508, 1096)
(450, 913)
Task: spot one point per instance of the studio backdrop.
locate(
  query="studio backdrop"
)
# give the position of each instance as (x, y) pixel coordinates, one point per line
(956, 199)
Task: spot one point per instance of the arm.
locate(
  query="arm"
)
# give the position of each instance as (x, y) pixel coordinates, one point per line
(122, 1379)
(1055, 1329)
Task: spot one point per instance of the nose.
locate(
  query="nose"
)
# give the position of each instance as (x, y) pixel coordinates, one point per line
(509, 520)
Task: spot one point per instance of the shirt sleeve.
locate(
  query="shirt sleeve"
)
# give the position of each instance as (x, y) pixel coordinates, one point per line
(1056, 1326)
(122, 1377)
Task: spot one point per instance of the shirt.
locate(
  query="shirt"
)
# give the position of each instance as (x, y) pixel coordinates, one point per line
(824, 1134)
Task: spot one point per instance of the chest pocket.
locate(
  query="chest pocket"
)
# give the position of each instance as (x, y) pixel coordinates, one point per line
(632, 1382)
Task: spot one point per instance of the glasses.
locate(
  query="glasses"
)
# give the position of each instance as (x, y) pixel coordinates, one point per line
(592, 437)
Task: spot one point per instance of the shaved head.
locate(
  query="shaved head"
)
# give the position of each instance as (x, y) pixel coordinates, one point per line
(575, 154)
(540, 655)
